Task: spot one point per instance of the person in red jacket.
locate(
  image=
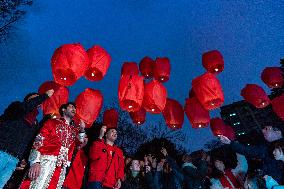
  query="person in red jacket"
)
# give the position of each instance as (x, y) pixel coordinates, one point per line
(106, 161)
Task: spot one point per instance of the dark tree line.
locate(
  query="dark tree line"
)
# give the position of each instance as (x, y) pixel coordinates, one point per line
(11, 11)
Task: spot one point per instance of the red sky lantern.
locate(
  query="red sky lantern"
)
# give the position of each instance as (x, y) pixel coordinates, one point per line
(69, 62)
(278, 106)
(130, 92)
(196, 114)
(52, 104)
(217, 126)
(208, 91)
(110, 118)
(146, 67)
(229, 132)
(88, 105)
(155, 97)
(213, 61)
(99, 63)
(255, 95)
(138, 117)
(272, 77)
(162, 69)
(129, 68)
(173, 114)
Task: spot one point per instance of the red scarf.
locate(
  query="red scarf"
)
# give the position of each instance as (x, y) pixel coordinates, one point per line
(225, 183)
(31, 117)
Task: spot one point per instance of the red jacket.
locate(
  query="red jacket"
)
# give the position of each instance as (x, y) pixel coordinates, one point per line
(106, 164)
(75, 176)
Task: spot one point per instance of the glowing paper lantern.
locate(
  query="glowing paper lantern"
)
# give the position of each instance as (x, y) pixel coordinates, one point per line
(130, 92)
(196, 114)
(173, 114)
(278, 106)
(129, 68)
(146, 67)
(213, 61)
(138, 117)
(272, 77)
(255, 95)
(99, 63)
(88, 105)
(59, 97)
(69, 62)
(162, 69)
(208, 91)
(217, 126)
(155, 97)
(110, 118)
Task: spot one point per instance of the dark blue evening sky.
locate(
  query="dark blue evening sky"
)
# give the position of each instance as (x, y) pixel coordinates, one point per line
(249, 34)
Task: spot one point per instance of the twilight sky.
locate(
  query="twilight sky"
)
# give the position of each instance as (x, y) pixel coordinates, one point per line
(249, 34)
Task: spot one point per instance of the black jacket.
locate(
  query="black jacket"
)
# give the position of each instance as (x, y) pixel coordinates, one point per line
(270, 166)
(16, 134)
(139, 182)
(194, 178)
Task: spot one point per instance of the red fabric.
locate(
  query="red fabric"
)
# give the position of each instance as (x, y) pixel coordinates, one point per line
(173, 114)
(208, 91)
(138, 117)
(272, 77)
(60, 96)
(213, 61)
(88, 105)
(162, 69)
(99, 63)
(75, 176)
(197, 115)
(129, 68)
(100, 160)
(255, 95)
(31, 117)
(130, 92)
(110, 118)
(50, 141)
(278, 106)
(69, 62)
(146, 67)
(217, 126)
(231, 176)
(155, 97)
(229, 132)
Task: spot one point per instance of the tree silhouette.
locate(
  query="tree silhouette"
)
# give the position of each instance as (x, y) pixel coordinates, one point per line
(11, 11)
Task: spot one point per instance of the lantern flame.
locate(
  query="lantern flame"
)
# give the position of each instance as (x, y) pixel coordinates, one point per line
(93, 74)
(162, 78)
(153, 110)
(200, 126)
(138, 122)
(216, 69)
(276, 85)
(130, 106)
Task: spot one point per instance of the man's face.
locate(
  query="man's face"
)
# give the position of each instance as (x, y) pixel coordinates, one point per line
(70, 111)
(271, 135)
(135, 165)
(111, 135)
(278, 154)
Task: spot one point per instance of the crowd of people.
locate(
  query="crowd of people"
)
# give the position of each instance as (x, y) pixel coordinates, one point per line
(62, 153)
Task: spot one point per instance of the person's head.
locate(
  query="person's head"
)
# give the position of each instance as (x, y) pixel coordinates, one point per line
(278, 151)
(186, 158)
(135, 165)
(111, 134)
(271, 133)
(30, 96)
(68, 110)
(219, 165)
